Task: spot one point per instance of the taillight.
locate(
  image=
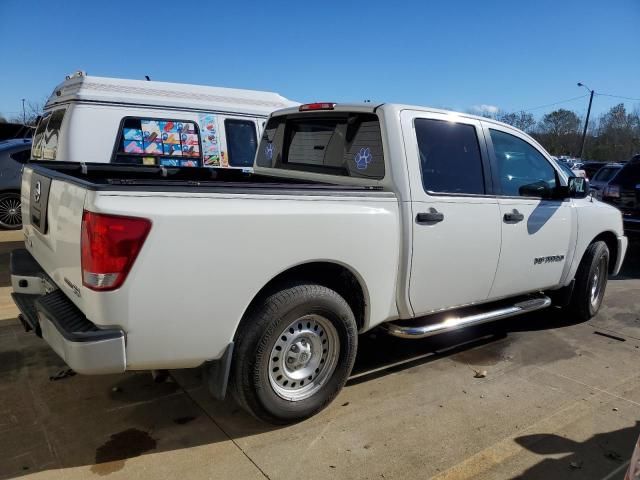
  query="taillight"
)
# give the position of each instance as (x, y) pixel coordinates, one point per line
(316, 106)
(611, 191)
(109, 246)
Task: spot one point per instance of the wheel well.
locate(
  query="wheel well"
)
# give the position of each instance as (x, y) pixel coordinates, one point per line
(612, 244)
(331, 275)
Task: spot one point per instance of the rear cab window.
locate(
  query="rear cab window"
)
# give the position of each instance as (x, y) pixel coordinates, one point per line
(158, 141)
(343, 144)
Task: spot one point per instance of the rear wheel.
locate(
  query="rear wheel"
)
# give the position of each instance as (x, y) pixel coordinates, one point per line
(293, 353)
(591, 281)
(10, 211)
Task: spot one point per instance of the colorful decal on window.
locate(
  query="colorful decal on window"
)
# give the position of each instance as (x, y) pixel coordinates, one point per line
(169, 162)
(132, 146)
(191, 150)
(363, 158)
(133, 134)
(210, 143)
(154, 148)
(150, 130)
(174, 150)
(161, 139)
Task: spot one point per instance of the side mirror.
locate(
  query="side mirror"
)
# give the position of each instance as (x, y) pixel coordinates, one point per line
(578, 187)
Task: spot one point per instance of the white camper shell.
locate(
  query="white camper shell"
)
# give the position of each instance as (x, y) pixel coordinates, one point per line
(112, 120)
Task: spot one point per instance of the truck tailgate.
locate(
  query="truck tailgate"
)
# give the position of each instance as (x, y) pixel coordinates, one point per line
(52, 218)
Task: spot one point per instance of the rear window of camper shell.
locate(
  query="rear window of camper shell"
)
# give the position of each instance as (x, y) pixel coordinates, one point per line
(46, 138)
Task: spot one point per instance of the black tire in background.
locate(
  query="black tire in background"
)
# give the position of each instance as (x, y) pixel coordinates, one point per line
(297, 329)
(591, 282)
(10, 211)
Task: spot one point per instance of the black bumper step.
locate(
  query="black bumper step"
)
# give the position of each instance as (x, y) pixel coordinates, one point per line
(70, 321)
(22, 263)
(27, 305)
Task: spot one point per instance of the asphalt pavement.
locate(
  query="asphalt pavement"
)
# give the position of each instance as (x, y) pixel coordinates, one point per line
(531, 397)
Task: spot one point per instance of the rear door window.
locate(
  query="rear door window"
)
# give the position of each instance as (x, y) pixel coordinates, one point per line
(241, 142)
(152, 141)
(450, 157)
(345, 144)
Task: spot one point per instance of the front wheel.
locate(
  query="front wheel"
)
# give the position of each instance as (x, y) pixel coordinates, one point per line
(590, 282)
(294, 352)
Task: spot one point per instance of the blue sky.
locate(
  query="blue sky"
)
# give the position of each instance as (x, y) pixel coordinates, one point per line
(455, 54)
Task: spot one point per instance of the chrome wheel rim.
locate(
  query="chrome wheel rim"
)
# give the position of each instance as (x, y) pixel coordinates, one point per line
(597, 282)
(10, 211)
(303, 357)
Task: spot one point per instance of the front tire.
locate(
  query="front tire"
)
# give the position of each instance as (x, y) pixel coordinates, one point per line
(293, 353)
(590, 282)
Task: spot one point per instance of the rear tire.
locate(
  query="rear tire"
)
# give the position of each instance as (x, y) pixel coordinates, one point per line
(591, 282)
(293, 353)
(10, 211)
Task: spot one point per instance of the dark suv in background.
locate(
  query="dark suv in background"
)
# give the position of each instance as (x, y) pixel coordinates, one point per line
(623, 191)
(13, 153)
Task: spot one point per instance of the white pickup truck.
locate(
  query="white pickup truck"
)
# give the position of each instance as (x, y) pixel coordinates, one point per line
(357, 216)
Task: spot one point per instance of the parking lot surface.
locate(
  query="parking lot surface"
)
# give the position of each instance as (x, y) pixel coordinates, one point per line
(554, 400)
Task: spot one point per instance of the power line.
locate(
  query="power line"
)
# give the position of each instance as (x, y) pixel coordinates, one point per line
(552, 104)
(617, 96)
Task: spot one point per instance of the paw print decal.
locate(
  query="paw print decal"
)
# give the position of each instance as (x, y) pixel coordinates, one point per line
(268, 151)
(363, 158)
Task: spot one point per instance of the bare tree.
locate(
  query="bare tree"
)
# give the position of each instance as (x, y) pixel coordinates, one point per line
(33, 109)
(560, 122)
(522, 120)
(617, 135)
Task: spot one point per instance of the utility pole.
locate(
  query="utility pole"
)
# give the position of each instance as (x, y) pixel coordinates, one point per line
(586, 122)
(24, 117)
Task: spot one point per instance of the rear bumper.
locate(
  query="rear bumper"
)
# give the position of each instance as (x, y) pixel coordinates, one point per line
(85, 347)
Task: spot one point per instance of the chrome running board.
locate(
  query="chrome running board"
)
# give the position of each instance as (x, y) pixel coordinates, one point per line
(411, 330)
